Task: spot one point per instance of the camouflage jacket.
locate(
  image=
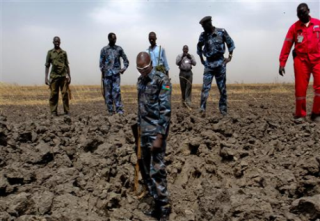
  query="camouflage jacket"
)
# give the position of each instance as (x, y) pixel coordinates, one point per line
(59, 61)
(110, 60)
(212, 46)
(154, 103)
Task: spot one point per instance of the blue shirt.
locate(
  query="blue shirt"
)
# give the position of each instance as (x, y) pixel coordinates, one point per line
(154, 55)
(212, 46)
(110, 60)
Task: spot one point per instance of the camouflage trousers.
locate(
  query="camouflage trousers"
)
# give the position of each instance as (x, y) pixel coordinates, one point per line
(220, 74)
(57, 84)
(153, 170)
(186, 85)
(112, 93)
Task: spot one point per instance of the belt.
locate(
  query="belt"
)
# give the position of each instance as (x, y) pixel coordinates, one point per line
(215, 57)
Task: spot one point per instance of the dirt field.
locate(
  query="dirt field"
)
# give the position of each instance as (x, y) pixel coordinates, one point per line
(257, 163)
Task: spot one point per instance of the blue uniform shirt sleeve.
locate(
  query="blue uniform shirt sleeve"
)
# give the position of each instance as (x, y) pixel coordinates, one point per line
(125, 59)
(165, 106)
(200, 44)
(102, 58)
(164, 58)
(229, 41)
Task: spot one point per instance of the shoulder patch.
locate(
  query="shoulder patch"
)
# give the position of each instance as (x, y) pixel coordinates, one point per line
(166, 87)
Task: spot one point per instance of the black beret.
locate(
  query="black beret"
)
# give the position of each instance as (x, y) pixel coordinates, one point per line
(205, 19)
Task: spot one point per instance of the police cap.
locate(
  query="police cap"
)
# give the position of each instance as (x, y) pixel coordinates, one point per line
(205, 19)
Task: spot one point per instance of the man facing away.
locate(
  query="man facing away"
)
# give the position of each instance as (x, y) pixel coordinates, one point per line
(158, 55)
(212, 45)
(185, 61)
(305, 34)
(110, 67)
(154, 113)
(60, 77)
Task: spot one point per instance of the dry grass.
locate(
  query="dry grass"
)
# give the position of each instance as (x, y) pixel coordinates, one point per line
(11, 94)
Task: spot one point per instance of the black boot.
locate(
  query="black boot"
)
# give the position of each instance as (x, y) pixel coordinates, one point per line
(154, 212)
(164, 213)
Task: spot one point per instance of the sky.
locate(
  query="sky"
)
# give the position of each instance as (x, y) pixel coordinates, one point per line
(258, 29)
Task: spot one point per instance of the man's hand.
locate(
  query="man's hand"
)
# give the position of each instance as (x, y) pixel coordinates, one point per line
(227, 60)
(189, 56)
(122, 71)
(157, 143)
(167, 73)
(282, 71)
(46, 81)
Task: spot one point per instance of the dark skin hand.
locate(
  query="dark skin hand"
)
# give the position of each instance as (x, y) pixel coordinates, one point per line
(145, 67)
(227, 60)
(157, 143)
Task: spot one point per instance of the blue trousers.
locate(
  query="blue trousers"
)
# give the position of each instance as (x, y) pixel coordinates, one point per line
(220, 74)
(112, 93)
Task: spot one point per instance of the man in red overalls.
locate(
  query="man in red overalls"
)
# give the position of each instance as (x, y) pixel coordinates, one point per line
(305, 33)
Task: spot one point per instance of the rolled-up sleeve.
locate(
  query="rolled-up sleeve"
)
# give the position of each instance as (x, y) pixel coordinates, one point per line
(125, 59)
(165, 106)
(229, 41)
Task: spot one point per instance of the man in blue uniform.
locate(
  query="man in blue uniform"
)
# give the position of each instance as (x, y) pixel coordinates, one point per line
(212, 45)
(110, 67)
(154, 112)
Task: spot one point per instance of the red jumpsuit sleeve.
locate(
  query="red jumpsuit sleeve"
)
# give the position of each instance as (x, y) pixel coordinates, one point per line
(286, 48)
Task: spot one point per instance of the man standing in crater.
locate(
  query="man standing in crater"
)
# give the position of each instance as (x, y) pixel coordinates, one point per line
(154, 113)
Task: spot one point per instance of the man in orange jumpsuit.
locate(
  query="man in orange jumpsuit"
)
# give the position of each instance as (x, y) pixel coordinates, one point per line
(305, 34)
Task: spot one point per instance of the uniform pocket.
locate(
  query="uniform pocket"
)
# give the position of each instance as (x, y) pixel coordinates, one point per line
(151, 93)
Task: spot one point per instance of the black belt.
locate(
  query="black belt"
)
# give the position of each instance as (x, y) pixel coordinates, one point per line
(215, 57)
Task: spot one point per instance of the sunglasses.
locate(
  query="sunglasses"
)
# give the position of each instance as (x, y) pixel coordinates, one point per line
(144, 68)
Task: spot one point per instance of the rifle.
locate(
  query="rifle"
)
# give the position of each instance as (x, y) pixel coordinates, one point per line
(69, 92)
(136, 133)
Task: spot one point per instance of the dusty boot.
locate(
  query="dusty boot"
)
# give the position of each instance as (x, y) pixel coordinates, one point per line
(164, 213)
(153, 212)
(315, 117)
(202, 113)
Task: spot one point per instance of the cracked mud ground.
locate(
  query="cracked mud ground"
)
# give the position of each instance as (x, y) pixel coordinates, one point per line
(257, 163)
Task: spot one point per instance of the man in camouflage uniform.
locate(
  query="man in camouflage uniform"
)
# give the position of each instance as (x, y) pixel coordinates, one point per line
(154, 112)
(110, 67)
(59, 77)
(213, 41)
